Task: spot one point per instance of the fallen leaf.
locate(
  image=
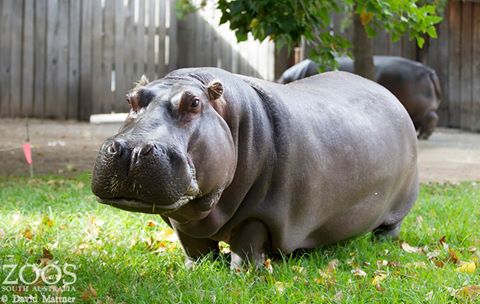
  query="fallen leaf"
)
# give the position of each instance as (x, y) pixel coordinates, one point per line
(47, 221)
(378, 278)
(410, 249)
(332, 265)
(90, 293)
(382, 263)
(27, 233)
(268, 265)
(224, 247)
(2, 233)
(358, 272)
(453, 256)
(438, 263)
(152, 223)
(467, 268)
(471, 292)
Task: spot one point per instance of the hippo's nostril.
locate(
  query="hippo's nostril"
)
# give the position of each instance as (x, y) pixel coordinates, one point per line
(114, 148)
(145, 150)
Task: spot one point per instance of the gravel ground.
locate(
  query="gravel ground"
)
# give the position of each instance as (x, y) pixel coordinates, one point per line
(67, 147)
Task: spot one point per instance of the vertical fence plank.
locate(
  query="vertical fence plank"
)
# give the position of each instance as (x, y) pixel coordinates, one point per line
(172, 35)
(476, 69)
(73, 58)
(28, 58)
(86, 60)
(16, 59)
(466, 66)
(97, 57)
(439, 48)
(455, 19)
(120, 88)
(5, 50)
(108, 53)
(57, 56)
(162, 36)
(129, 45)
(151, 41)
(140, 39)
(40, 57)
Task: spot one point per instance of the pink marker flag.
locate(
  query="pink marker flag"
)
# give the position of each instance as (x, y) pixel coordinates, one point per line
(27, 151)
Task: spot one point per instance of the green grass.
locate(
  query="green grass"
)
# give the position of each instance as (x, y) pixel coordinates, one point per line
(125, 259)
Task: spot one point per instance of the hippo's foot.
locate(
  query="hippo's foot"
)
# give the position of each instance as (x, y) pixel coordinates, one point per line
(248, 245)
(387, 231)
(196, 249)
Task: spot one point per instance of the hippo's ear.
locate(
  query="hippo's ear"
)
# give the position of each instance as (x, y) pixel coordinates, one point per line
(215, 89)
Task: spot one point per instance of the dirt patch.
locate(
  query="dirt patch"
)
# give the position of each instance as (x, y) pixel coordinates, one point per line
(69, 147)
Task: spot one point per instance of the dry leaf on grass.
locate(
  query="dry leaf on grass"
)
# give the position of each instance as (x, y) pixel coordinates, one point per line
(90, 293)
(2, 233)
(268, 265)
(27, 233)
(47, 221)
(152, 223)
(467, 292)
(332, 265)
(410, 249)
(224, 247)
(358, 273)
(467, 267)
(453, 256)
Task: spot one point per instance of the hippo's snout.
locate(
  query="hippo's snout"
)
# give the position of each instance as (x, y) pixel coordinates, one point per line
(143, 176)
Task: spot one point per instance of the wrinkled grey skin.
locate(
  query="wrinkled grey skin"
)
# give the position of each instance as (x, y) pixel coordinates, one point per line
(414, 84)
(282, 167)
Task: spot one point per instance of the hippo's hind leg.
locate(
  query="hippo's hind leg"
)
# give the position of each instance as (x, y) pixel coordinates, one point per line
(387, 231)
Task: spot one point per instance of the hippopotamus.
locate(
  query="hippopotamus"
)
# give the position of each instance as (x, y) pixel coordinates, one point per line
(414, 84)
(265, 167)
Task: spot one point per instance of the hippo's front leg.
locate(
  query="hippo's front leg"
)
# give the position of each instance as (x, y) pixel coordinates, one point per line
(249, 243)
(196, 248)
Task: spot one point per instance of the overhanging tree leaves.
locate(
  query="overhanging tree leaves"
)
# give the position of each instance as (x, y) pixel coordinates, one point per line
(286, 21)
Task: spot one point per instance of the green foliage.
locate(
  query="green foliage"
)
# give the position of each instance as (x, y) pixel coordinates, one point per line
(116, 262)
(286, 21)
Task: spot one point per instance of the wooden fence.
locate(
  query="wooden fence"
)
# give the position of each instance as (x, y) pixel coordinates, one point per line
(67, 59)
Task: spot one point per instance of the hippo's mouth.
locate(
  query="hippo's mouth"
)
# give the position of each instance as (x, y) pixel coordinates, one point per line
(140, 206)
(202, 203)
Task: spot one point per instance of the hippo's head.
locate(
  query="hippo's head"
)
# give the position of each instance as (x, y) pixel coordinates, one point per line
(174, 150)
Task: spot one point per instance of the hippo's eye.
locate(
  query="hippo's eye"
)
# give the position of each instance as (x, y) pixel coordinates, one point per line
(195, 102)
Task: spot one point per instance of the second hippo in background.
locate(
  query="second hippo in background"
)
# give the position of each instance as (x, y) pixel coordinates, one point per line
(414, 84)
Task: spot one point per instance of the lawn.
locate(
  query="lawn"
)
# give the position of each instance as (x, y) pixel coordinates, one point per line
(122, 257)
